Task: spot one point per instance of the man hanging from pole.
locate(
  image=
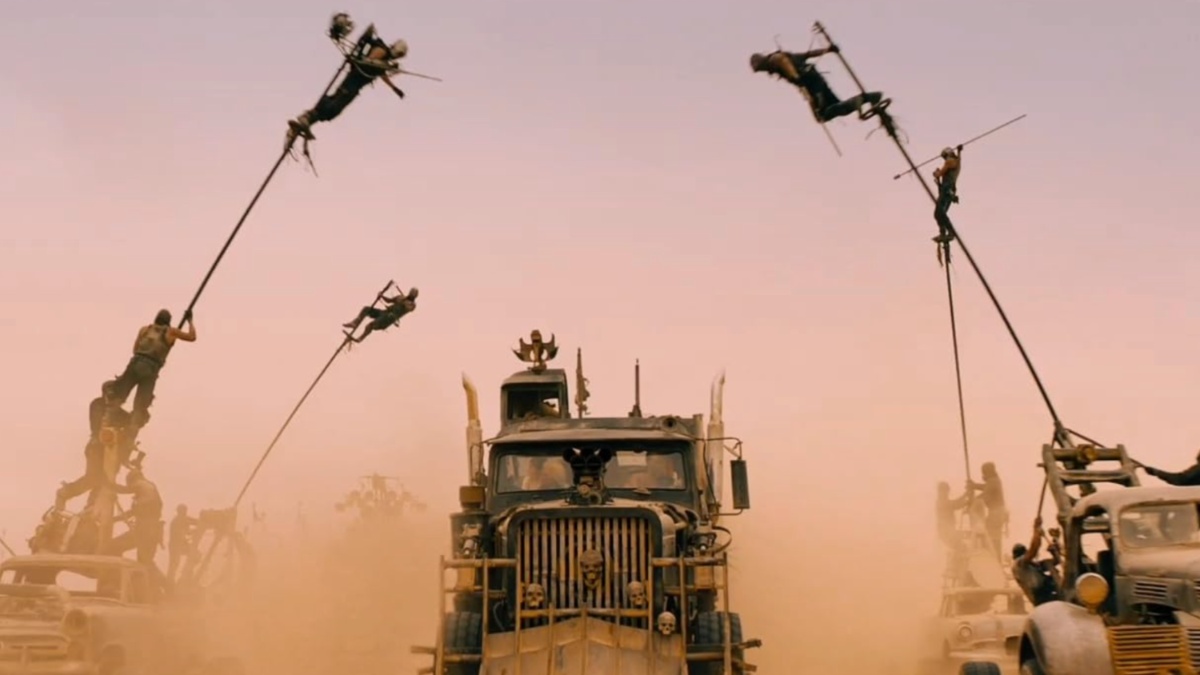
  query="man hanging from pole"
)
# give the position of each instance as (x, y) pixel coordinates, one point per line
(946, 178)
(150, 350)
(370, 59)
(797, 70)
(382, 319)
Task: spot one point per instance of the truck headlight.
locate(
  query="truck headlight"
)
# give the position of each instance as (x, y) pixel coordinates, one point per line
(75, 624)
(1091, 589)
(965, 632)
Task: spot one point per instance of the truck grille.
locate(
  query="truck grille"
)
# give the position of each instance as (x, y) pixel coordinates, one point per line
(1150, 591)
(548, 551)
(1150, 650)
(38, 648)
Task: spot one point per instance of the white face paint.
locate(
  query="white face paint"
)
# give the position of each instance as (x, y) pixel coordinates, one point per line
(666, 623)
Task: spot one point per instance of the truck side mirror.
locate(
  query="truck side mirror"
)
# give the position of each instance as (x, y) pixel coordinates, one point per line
(740, 484)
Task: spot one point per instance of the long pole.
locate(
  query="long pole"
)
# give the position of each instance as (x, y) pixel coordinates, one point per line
(888, 124)
(246, 213)
(279, 434)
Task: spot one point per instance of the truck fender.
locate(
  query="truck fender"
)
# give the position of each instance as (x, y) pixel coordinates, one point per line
(1066, 639)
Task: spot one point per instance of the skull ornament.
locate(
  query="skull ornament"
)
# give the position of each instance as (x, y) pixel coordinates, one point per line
(666, 623)
(591, 568)
(535, 596)
(636, 593)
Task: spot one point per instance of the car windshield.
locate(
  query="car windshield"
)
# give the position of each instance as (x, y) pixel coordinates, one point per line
(1156, 525)
(75, 579)
(645, 467)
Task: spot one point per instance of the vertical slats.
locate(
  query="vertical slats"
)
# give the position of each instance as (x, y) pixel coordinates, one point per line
(548, 551)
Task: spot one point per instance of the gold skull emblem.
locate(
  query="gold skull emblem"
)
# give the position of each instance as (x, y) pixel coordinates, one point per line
(591, 569)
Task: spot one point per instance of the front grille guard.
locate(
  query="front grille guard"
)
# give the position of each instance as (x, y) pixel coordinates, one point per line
(472, 576)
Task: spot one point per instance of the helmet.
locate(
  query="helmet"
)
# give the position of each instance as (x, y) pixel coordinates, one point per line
(163, 318)
(412, 293)
(947, 152)
(399, 49)
(757, 61)
(1018, 550)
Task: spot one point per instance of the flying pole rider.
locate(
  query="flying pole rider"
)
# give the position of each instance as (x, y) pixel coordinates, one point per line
(946, 178)
(797, 69)
(369, 59)
(381, 319)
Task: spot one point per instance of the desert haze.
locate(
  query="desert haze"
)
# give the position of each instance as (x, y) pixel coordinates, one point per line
(615, 175)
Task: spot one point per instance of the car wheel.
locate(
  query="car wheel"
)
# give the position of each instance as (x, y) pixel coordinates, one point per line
(979, 668)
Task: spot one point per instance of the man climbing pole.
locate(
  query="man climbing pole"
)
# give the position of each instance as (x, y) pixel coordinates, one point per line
(370, 59)
(382, 319)
(150, 351)
(946, 178)
(797, 70)
(93, 476)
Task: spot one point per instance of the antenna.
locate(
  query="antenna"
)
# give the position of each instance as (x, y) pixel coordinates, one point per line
(637, 389)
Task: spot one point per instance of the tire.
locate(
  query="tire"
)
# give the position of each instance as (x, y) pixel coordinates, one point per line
(463, 634)
(1031, 667)
(709, 636)
(979, 668)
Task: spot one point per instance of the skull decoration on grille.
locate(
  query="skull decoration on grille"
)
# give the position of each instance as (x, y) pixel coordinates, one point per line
(636, 594)
(535, 596)
(666, 623)
(591, 569)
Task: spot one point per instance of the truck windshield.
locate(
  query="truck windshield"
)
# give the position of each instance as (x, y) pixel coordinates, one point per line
(1154, 525)
(645, 468)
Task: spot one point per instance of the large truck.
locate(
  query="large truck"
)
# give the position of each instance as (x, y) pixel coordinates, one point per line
(1131, 563)
(590, 544)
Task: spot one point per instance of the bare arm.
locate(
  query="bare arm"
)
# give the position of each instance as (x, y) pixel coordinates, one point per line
(189, 336)
(1035, 544)
(1189, 476)
(811, 55)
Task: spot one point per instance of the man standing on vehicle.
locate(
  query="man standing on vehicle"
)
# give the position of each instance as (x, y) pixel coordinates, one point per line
(992, 492)
(1035, 577)
(145, 532)
(947, 508)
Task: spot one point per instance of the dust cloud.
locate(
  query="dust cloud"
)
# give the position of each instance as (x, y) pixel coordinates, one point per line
(825, 591)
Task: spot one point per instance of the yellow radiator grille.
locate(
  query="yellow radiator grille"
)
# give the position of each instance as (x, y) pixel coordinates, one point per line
(1149, 650)
(548, 551)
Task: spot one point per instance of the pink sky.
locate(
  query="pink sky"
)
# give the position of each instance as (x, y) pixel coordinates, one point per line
(615, 174)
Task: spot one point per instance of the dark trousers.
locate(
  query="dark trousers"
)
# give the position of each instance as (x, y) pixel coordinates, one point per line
(332, 105)
(92, 477)
(141, 373)
(836, 108)
(142, 537)
(946, 194)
